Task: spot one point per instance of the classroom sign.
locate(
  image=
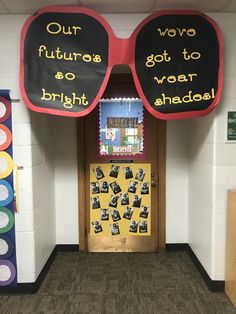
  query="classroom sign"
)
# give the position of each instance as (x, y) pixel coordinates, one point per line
(67, 55)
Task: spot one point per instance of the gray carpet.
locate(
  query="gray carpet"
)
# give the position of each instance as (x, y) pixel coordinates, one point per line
(122, 283)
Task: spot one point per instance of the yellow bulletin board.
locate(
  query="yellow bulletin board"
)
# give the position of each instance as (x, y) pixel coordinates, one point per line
(120, 199)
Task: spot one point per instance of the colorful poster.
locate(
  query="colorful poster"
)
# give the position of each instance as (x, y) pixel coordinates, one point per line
(121, 128)
(8, 266)
(120, 199)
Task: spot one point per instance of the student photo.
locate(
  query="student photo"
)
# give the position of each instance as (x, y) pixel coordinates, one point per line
(104, 187)
(104, 214)
(143, 226)
(128, 213)
(97, 226)
(114, 171)
(128, 173)
(115, 187)
(114, 228)
(132, 186)
(95, 202)
(114, 201)
(98, 173)
(115, 215)
(95, 187)
(144, 212)
(140, 174)
(133, 226)
(137, 201)
(144, 188)
(125, 199)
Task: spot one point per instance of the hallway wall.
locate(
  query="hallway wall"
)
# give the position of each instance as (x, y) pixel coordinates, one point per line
(201, 188)
(224, 153)
(33, 150)
(35, 223)
(177, 163)
(213, 167)
(66, 181)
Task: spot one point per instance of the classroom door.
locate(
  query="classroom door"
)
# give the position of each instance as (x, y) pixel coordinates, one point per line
(136, 225)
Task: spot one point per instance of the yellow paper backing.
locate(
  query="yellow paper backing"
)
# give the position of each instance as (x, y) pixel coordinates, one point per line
(104, 198)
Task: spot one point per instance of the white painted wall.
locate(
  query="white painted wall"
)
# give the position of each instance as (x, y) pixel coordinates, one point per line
(224, 153)
(66, 177)
(35, 223)
(201, 188)
(213, 167)
(33, 148)
(200, 166)
(177, 163)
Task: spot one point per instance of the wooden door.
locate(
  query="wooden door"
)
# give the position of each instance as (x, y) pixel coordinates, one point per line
(155, 156)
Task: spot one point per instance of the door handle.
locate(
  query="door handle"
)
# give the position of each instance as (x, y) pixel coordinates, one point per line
(153, 183)
(153, 180)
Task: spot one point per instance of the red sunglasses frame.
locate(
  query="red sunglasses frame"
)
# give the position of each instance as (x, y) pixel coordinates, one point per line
(121, 51)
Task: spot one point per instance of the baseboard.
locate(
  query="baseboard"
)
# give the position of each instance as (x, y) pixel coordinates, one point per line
(33, 287)
(67, 248)
(213, 285)
(172, 247)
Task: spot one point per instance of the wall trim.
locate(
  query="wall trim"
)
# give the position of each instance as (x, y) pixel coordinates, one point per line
(213, 285)
(173, 247)
(33, 287)
(67, 248)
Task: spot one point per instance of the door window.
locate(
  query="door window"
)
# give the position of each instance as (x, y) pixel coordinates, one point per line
(121, 128)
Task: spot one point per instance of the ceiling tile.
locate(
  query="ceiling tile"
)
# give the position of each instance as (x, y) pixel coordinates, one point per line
(3, 8)
(202, 5)
(119, 6)
(31, 6)
(230, 6)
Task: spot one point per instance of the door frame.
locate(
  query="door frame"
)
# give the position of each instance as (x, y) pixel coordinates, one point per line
(161, 165)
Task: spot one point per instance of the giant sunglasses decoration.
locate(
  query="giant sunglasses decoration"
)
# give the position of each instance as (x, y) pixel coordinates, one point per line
(67, 55)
